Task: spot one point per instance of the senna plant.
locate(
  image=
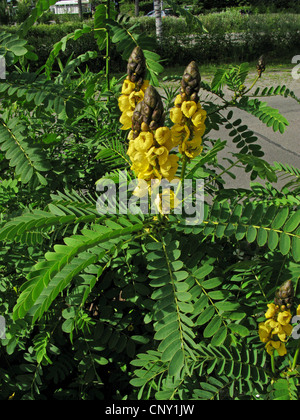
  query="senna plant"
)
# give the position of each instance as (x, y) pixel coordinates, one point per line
(138, 302)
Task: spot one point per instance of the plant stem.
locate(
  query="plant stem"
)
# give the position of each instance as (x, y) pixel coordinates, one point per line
(273, 364)
(107, 58)
(253, 84)
(296, 357)
(183, 169)
(184, 163)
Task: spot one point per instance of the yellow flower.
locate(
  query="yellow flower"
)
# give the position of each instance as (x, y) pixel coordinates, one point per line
(140, 160)
(156, 174)
(130, 135)
(298, 310)
(146, 173)
(126, 120)
(264, 332)
(189, 108)
(124, 104)
(271, 311)
(163, 154)
(178, 100)
(144, 141)
(271, 323)
(128, 87)
(284, 318)
(144, 126)
(283, 331)
(199, 118)
(160, 153)
(166, 201)
(176, 115)
(12, 396)
(169, 168)
(193, 147)
(276, 345)
(189, 150)
(180, 133)
(131, 148)
(197, 138)
(142, 188)
(135, 98)
(162, 135)
(200, 130)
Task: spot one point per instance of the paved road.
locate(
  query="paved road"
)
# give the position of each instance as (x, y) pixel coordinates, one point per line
(277, 147)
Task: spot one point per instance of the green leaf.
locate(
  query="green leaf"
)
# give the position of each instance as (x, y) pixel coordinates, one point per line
(212, 327)
(280, 218)
(50, 277)
(219, 337)
(40, 7)
(296, 248)
(203, 271)
(239, 329)
(18, 50)
(25, 158)
(205, 316)
(284, 244)
(265, 113)
(191, 20)
(273, 240)
(176, 363)
(262, 237)
(170, 351)
(251, 234)
(293, 222)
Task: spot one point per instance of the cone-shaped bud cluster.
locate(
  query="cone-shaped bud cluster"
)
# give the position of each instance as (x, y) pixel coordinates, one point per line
(261, 65)
(134, 86)
(136, 67)
(187, 115)
(150, 142)
(149, 113)
(277, 328)
(190, 83)
(285, 295)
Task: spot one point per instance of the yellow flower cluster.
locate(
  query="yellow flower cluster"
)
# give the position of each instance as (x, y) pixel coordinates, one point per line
(275, 330)
(189, 126)
(150, 154)
(131, 96)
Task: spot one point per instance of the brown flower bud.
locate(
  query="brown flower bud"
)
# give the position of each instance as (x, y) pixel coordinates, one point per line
(261, 65)
(136, 67)
(155, 111)
(190, 84)
(148, 113)
(285, 295)
(137, 120)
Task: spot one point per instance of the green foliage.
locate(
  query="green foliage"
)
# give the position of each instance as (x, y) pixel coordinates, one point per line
(123, 306)
(28, 161)
(12, 47)
(41, 6)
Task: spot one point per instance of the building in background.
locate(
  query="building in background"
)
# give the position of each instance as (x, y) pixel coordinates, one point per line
(71, 7)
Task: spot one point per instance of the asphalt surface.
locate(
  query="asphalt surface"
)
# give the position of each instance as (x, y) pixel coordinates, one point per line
(284, 148)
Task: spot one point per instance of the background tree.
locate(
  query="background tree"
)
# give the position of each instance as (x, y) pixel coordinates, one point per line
(80, 12)
(158, 20)
(137, 8)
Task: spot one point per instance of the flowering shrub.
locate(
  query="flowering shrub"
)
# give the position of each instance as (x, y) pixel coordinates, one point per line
(142, 304)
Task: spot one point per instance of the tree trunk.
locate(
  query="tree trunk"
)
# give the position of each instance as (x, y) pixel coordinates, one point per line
(137, 8)
(158, 20)
(80, 10)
